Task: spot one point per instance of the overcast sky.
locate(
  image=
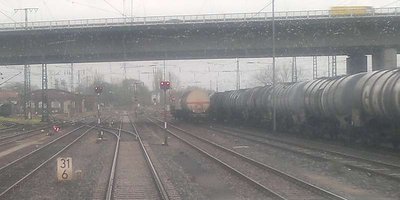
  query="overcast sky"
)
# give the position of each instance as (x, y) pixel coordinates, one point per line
(79, 9)
(74, 9)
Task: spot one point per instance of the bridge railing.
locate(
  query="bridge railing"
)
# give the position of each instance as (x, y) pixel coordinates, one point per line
(181, 19)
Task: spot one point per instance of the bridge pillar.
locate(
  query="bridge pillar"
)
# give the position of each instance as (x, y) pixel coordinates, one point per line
(356, 63)
(384, 59)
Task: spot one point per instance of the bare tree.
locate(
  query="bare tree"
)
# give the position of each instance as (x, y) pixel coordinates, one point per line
(174, 79)
(299, 74)
(283, 74)
(157, 78)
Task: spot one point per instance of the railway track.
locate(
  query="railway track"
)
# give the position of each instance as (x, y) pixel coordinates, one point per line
(110, 188)
(276, 183)
(19, 128)
(376, 167)
(130, 143)
(8, 126)
(14, 173)
(5, 131)
(21, 135)
(156, 178)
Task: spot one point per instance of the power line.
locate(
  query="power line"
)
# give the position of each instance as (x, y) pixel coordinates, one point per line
(26, 10)
(90, 6)
(45, 4)
(2, 12)
(10, 78)
(114, 8)
(7, 16)
(393, 2)
(268, 4)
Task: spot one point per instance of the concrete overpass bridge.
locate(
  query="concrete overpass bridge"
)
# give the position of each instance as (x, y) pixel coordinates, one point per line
(241, 35)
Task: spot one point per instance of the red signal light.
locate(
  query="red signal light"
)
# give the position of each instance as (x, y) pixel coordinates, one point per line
(165, 85)
(56, 128)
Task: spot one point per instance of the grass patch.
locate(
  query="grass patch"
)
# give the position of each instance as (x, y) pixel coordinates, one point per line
(21, 120)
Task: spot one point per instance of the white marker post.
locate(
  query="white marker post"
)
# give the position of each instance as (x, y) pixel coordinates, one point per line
(64, 169)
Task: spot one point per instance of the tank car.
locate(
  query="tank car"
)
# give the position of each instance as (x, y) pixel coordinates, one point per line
(376, 107)
(360, 107)
(193, 105)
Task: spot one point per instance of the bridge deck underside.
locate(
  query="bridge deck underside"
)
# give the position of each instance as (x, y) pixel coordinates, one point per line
(200, 41)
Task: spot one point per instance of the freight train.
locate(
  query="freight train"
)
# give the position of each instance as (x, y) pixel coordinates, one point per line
(363, 107)
(191, 105)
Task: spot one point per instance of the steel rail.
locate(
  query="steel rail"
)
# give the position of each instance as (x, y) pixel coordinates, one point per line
(22, 133)
(297, 181)
(227, 166)
(46, 161)
(13, 125)
(25, 136)
(37, 150)
(160, 186)
(122, 130)
(324, 151)
(110, 188)
(5, 130)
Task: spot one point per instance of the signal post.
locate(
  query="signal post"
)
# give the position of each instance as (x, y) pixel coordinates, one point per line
(98, 90)
(165, 85)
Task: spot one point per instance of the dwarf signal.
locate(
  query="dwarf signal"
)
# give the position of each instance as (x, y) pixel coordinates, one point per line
(56, 128)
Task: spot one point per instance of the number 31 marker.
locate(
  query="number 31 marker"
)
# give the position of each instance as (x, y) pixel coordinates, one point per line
(64, 168)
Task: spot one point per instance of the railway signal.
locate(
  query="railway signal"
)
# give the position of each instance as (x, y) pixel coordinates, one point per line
(56, 128)
(165, 85)
(98, 89)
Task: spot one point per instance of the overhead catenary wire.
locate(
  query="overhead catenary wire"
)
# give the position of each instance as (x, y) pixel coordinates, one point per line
(91, 6)
(389, 4)
(268, 4)
(10, 78)
(2, 12)
(123, 14)
(47, 7)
